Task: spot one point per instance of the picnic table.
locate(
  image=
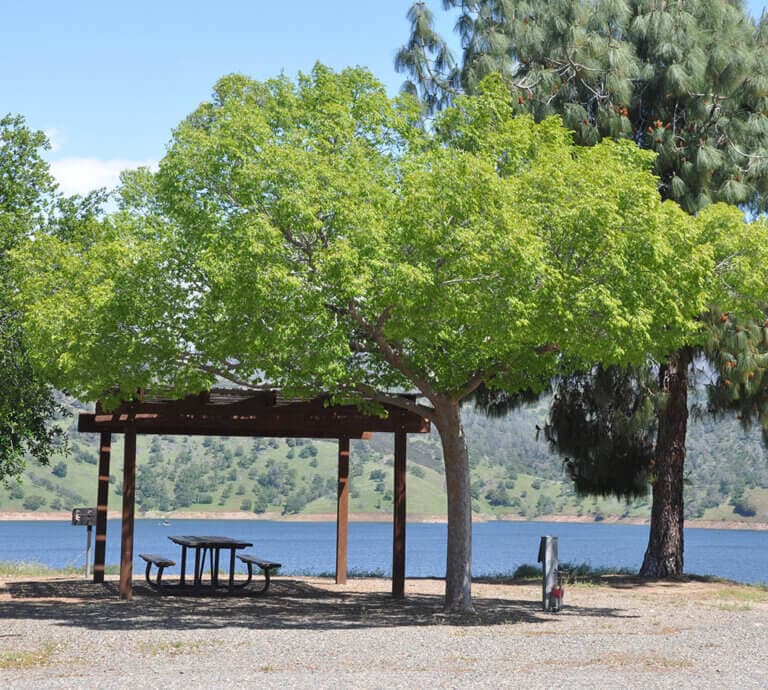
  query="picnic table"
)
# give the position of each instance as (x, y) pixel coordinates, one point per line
(211, 548)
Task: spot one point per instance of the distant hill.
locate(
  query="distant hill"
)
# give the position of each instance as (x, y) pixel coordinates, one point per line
(514, 474)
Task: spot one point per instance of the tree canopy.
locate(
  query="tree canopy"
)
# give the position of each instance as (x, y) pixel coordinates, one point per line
(477, 249)
(27, 403)
(314, 235)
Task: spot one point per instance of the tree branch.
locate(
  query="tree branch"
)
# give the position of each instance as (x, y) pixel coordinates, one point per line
(472, 384)
(475, 279)
(223, 373)
(396, 401)
(393, 358)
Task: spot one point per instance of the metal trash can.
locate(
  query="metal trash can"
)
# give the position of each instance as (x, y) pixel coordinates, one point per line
(552, 587)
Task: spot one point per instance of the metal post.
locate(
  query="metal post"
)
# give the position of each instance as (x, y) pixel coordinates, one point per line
(88, 552)
(548, 559)
(87, 518)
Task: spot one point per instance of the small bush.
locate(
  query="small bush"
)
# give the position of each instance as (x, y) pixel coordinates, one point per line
(498, 496)
(34, 502)
(417, 471)
(308, 452)
(743, 507)
(527, 571)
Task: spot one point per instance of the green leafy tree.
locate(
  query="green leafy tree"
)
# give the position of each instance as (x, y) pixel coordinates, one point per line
(498, 496)
(315, 236)
(683, 79)
(27, 403)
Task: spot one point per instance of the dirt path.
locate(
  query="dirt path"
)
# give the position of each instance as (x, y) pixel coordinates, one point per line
(309, 632)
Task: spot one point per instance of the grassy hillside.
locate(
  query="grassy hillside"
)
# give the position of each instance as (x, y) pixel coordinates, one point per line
(514, 474)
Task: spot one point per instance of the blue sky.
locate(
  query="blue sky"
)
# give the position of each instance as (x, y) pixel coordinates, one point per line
(108, 81)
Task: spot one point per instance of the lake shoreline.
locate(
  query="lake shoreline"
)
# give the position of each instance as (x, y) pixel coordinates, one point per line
(26, 516)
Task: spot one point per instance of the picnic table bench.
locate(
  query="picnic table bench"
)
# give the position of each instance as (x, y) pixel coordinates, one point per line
(266, 567)
(161, 562)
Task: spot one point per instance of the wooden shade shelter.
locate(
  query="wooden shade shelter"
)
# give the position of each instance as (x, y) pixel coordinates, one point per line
(238, 412)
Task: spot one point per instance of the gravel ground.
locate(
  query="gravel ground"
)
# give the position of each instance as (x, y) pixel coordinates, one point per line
(311, 633)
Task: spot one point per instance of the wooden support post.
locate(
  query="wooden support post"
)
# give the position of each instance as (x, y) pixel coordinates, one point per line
(342, 512)
(102, 500)
(399, 516)
(129, 506)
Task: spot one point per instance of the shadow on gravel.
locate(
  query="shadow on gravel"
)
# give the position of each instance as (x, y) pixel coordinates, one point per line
(290, 604)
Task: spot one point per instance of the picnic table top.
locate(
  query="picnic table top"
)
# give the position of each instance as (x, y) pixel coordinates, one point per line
(209, 542)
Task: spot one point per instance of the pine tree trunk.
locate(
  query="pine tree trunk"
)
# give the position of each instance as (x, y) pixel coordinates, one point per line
(458, 582)
(664, 555)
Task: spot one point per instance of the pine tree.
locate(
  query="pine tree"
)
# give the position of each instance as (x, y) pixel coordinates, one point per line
(739, 351)
(603, 422)
(686, 79)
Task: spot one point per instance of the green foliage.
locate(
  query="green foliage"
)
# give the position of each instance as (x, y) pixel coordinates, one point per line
(419, 259)
(27, 403)
(35, 569)
(26, 185)
(743, 507)
(308, 452)
(427, 57)
(603, 423)
(498, 496)
(575, 571)
(685, 80)
(417, 471)
(34, 502)
(527, 571)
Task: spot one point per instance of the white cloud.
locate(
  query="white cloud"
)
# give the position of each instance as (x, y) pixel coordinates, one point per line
(55, 138)
(82, 175)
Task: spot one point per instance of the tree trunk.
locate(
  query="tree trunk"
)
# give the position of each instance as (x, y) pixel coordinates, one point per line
(458, 582)
(664, 555)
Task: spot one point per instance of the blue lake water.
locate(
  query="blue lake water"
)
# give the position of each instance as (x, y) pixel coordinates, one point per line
(310, 547)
